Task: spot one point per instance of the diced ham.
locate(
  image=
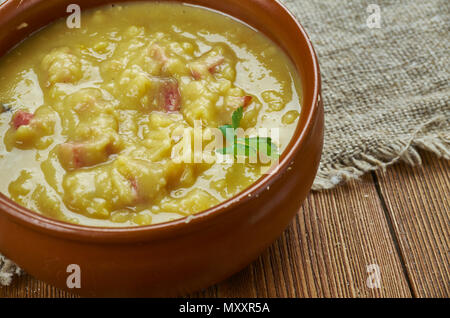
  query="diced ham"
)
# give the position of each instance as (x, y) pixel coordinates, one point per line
(196, 74)
(71, 155)
(239, 101)
(213, 62)
(205, 64)
(246, 100)
(170, 98)
(158, 53)
(22, 118)
(74, 155)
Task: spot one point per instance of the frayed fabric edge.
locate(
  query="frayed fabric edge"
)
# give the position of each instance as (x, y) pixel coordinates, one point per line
(7, 271)
(403, 150)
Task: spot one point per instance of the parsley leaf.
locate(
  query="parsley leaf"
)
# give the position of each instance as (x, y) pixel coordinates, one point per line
(228, 132)
(237, 117)
(248, 146)
(261, 144)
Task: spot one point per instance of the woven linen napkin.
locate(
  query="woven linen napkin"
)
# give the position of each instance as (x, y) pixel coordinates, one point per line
(385, 76)
(385, 87)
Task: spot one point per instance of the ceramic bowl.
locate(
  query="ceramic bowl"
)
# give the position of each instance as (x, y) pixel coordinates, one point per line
(177, 257)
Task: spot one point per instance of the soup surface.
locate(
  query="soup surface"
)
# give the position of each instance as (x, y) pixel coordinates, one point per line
(91, 117)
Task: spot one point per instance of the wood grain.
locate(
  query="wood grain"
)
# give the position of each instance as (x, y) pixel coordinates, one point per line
(397, 219)
(28, 287)
(418, 200)
(325, 251)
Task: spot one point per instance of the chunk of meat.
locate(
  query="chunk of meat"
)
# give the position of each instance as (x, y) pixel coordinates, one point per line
(169, 95)
(213, 62)
(22, 118)
(196, 74)
(239, 101)
(75, 155)
(158, 53)
(70, 155)
(156, 59)
(27, 130)
(121, 184)
(207, 63)
(246, 100)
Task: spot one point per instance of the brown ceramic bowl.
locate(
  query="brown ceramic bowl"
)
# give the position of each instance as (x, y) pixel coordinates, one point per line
(173, 258)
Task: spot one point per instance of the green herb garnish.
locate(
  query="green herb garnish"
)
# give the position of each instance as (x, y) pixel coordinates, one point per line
(237, 117)
(248, 146)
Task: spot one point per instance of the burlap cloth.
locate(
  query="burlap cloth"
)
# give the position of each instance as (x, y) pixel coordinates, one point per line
(385, 90)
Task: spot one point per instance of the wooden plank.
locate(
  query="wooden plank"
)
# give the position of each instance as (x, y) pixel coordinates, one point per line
(418, 200)
(26, 286)
(324, 253)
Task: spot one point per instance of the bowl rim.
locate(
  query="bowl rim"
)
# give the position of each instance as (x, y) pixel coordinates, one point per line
(79, 232)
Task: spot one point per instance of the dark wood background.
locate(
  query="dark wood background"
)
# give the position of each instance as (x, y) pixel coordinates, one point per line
(397, 219)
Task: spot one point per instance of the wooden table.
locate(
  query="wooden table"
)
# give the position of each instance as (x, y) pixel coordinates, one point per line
(397, 220)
